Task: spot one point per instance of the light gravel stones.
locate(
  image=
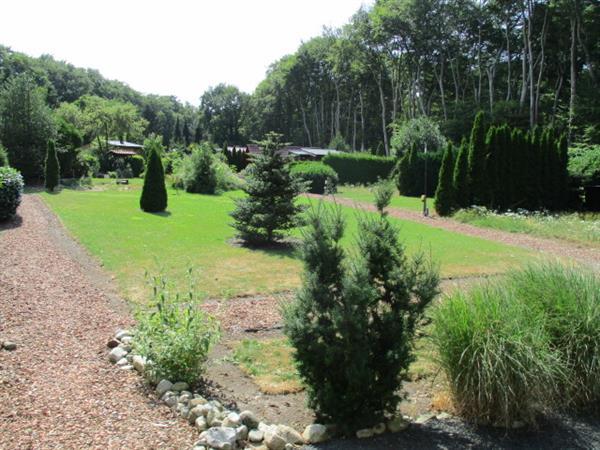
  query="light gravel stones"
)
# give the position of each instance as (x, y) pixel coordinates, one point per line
(163, 386)
(116, 354)
(315, 433)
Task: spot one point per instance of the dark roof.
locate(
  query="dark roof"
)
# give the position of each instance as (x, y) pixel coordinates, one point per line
(124, 144)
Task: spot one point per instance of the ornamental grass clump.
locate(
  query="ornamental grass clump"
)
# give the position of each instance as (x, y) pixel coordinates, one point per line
(497, 357)
(568, 298)
(173, 333)
(352, 323)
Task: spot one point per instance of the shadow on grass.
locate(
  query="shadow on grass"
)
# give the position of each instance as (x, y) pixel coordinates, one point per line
(14, 222)
(284, 248)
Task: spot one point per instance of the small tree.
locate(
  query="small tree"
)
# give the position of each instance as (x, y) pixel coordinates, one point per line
(444, 194)
(460, 178)
(352, 325)
(270, 205)
(198, 171)
(154, 192)
(51, 168)
(477, 160)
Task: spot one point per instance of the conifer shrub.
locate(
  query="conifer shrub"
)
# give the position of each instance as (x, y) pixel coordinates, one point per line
(154, 192)
(11, 190)
(410, 172)
(359, 168)
(460, 177)
(51, 168)
(444, 194)
(352, 324)
(318, 177)
(477, 160)
(269, 209)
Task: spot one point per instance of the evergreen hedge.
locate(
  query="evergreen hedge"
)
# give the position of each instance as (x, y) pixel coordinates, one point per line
(359, 168)
(410, 173)
(319, 177)
(154, 192)
(11, 189)
(444, 194)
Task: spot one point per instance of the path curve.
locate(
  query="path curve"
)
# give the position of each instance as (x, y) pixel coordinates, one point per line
(555, 248)
(58, 390)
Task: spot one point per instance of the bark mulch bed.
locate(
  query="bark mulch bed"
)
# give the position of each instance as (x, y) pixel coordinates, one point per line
(58, 389)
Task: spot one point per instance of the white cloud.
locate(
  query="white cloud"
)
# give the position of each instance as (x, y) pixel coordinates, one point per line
(173, 47)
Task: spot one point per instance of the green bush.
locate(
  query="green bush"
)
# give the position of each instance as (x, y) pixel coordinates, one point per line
(359, 168)
(497, 358)
(444, 194)
(421, 133)
(584, 164)
(197, 171)
(154, 192)
(319, 178)
(136, 163)
(3, 157)
(410, 173)
(569, 300)
(174, 334)
(87, 164)
(11, 189)
(352, 323)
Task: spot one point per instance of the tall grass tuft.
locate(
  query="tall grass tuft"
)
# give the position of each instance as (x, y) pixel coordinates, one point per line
(498, 361)
(569, 299)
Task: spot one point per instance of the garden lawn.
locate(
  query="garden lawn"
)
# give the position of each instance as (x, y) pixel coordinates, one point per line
(195, 232)
(365, 194)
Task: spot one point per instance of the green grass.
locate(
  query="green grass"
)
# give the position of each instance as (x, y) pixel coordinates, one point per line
(108, 222)
(579, 228)
(365, 194)
(269, 363)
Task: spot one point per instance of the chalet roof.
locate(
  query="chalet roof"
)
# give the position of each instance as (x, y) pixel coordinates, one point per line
(124, 144)
(311, 151)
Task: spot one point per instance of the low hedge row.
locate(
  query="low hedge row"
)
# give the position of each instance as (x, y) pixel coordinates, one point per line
(359, 168)
(319, 177)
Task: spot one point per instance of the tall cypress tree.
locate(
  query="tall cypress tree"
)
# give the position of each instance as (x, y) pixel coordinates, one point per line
(562, 150)
(492, 166)
(177, 135)
(52, 167)
(444, 195)
(198, 133)
(186, 133)
(154, 192)
(460, 177)
(477, 159)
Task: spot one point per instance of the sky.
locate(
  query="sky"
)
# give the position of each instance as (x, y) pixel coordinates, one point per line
(170, 47)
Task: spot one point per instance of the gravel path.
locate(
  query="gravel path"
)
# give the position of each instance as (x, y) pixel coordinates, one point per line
(553, 247)
(58, 390)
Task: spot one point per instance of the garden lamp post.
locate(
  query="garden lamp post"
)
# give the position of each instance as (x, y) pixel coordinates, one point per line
(425, 210)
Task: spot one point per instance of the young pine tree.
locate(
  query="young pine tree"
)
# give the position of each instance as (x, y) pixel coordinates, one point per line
(353, 325)
(477, 160)
(154, 192)
(460, 177)
(52, 167)
(269, 208)
(444, 195)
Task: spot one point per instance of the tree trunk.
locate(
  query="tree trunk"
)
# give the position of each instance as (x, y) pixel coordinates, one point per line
(383, 115)
(541, 71)
(530, 58)
(508, 68)
(440, 79)
(362, 121)
(306, 129)
(523, 66)
(573, 78)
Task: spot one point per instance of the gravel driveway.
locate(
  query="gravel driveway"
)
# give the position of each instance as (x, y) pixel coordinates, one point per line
(58, 390)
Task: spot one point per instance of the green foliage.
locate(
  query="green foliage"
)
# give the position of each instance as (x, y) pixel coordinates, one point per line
(319, 178)
(410, 172)
(51, 167)
(382, 195)
(26, 125)
(359, 168)
(173, 333)
(11, 190)
(422, 134)
(460, 177)
(497, 359)
(569, 300)
(338, 143)
(136, 162)
(154, 192)
(3, 156)
(584, 164)
(477, 160)
(237, 158)
(197, 171)
(352, 325)
(444, 194)
(87, 164)
(270, 205)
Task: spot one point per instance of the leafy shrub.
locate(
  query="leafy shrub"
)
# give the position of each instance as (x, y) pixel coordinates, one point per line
(359, 168)
(338, 143)
(11, 189)
(197, 171)
(3, 157)
(584, 164)
(174, 334)
(497, 358)
(353, 324)
(136, 163)
(227, 180)
(569, 300)
(420, 134)
(87, 164)
(410, 173)
(154, 192)
(318, 177)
